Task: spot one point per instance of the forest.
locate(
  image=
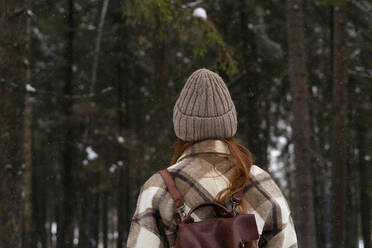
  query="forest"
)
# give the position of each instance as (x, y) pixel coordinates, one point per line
(87, 89)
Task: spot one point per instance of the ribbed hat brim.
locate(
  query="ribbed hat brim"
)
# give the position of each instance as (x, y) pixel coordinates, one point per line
(194, 128)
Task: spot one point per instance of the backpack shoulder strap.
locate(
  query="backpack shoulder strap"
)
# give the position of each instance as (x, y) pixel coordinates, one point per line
(176, 195)
(172, 188)
(177, 198)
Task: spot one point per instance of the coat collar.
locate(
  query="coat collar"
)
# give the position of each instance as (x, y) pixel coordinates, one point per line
(206, 146)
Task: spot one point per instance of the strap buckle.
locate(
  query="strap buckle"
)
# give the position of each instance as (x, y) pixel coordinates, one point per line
(234, 206)
(181, 211)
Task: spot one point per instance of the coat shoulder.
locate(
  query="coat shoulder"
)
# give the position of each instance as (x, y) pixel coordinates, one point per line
(263, 182)
(155, 180)
(256, 170)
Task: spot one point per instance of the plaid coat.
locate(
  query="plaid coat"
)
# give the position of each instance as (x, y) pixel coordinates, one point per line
(203, 170)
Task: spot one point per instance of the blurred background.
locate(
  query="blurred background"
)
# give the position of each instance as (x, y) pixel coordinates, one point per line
(87, 89)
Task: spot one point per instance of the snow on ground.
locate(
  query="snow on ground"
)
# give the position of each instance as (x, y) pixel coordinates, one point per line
(361, 244)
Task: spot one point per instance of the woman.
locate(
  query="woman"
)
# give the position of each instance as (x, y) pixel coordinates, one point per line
(209, 165)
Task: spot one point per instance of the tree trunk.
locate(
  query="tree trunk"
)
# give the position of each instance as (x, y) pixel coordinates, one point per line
(304, 211)
(161, 123)
(351, 222)
(319, 185)
(364, 177)
(124, 178)
(27, 185)
(12, 78)
(97, 50)
(104, 216)
(161, 80)
(83, 213)
(339, 125)
(98, 46)
(91, 225)
(65, 231)
(39, 197)
(251, 88)
(93, 213)
(365, 201)
(121, 209)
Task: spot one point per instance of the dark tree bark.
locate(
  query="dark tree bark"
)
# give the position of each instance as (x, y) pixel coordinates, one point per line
(124, 202)
(83, 204)
(127, 170)
(304, 211)
(90, 207)
(339, 125)
(161, 80)
(253, 132)
(104, 217)
(321, 200)
(364, 177)
(65, 229)
(94, 219)
(12, 79)
(89, 214)
(39, 198)
(27, 145)
(125, 125)
(352, 193)
(161, 85)
(98, 46)
(122, 209)
(351, 223)
(162, 108)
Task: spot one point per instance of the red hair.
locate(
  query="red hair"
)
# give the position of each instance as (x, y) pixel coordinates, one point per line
(241, 158)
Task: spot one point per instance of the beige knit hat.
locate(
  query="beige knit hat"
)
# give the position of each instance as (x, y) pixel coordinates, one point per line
(204, 109)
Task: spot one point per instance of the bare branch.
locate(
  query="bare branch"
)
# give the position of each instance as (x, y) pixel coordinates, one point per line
(98, 45)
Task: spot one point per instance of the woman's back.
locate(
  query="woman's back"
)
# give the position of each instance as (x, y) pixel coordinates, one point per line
(208, 165)
(200, 174)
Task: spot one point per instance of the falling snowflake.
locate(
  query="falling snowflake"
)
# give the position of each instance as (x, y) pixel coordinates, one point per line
(121, 139)
(113, 168)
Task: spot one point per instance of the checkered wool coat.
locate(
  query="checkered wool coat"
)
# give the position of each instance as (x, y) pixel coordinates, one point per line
(203, 170)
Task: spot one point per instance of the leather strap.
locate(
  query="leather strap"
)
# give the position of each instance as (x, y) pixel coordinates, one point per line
(237, 197)
(177, 198)
(223, 210)
(169, 182)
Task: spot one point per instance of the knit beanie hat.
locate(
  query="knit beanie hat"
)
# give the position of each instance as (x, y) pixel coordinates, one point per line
(204, 109)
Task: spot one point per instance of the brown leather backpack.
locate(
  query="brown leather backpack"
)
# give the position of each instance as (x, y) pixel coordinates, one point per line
(227, 230)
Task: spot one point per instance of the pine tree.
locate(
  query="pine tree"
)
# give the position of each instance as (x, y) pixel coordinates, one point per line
(339, 124)
(13, 22)
(304, 212)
